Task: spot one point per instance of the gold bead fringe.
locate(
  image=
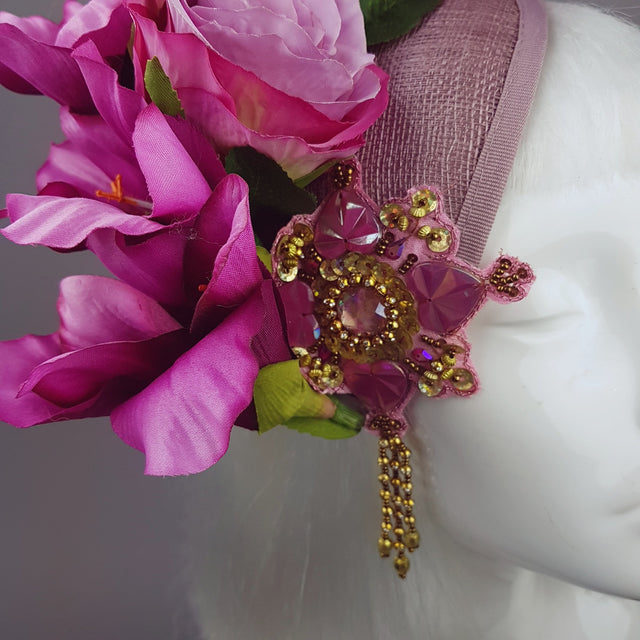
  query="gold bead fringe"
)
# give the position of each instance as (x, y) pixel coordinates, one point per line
(398, 525)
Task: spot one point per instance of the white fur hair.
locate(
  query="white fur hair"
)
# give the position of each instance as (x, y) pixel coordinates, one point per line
(281, 535)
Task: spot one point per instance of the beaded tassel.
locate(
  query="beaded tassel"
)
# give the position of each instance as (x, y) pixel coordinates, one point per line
(396, 488)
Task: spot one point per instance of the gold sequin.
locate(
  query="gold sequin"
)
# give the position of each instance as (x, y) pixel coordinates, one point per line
(439, 239)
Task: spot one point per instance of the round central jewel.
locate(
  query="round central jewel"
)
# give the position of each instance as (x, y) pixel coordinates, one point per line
(362, 311)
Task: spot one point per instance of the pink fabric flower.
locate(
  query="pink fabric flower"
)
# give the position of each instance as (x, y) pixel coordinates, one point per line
(165, 378)
(119, 352)
(292, 81)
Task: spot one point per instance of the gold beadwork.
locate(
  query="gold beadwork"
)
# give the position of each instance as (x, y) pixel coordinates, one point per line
(503, 279)
(392, 215)
(423, 232)
(397, 504)
(343, 175)
(353, 273)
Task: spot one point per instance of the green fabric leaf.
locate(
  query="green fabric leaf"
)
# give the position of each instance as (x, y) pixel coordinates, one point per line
(385, 20)
(273, 196)
(321, 428)
(281, 393)
(265, 257)
(308, 178)
(159, 88)
(283, 397)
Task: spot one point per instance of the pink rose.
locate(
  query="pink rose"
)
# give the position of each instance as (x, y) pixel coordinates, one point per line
(291, 80)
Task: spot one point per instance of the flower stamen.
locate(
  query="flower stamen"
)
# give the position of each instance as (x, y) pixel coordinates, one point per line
(117, 195)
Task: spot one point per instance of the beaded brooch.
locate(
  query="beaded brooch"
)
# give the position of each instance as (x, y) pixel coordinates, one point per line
(375, 303)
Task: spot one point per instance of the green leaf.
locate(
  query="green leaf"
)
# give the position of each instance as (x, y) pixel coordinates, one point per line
(159, 88)
(321, 428)
(281, 393)
(273, 196)
(283, 397)
(308, 178)
(385, 20)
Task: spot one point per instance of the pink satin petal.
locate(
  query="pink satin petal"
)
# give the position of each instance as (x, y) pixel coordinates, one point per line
(270, 343)
(92, 17)
(172, 49)
(93, 140)
(112, 372)
(17, 360)
(86, 166)
(36, 27)
(66, 164)
(59, 78)
(152, 265)
(182, 421)
(95, 309)
(117, 105)
(176, 186)
(223, 254)
(65, 223)
(200, 149)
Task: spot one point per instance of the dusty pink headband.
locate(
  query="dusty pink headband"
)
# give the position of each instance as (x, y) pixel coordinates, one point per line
(461, 88)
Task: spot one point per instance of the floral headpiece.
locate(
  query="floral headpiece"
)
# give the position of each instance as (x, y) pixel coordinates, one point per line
(192, 131)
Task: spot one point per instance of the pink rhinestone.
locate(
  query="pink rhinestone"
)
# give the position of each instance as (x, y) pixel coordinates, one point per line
(362, 311)
(382, 386)
(446, 295)
(345, 223)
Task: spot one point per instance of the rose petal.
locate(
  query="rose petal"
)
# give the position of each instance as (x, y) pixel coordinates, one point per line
(182, 421)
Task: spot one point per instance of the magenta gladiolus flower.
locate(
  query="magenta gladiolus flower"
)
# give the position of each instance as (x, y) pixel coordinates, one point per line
(118, 352)
(134, 206)
(166, 382)
(294, 83)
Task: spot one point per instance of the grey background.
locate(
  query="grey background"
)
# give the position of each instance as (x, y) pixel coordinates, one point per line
(89, 547)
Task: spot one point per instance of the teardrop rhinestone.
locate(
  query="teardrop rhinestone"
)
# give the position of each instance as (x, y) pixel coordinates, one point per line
(382, 386)
(446, 295)
(345, 223)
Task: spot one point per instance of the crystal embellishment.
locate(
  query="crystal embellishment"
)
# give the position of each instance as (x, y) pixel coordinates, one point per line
(362, 311)
(446, 295)
(382, 385)
(346, 223)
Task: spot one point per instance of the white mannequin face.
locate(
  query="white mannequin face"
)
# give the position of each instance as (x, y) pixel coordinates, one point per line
(542, 466)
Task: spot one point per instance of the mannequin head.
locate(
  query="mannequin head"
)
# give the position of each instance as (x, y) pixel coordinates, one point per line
(539, 470)
(542, 467)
